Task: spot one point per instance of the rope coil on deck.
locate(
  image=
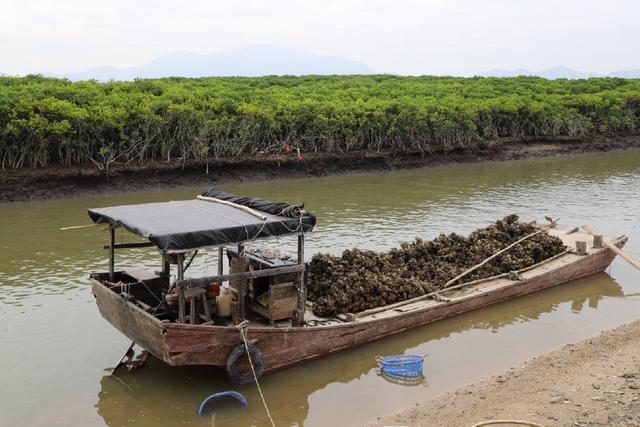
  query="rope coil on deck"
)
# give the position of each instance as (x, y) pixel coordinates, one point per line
(242, 326)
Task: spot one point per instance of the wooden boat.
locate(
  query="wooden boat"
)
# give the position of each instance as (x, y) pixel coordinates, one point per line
(285, 343)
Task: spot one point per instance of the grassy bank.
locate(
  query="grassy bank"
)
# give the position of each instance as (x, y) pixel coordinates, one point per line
(45, 121)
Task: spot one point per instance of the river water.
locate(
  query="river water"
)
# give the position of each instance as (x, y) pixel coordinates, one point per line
(56, 351)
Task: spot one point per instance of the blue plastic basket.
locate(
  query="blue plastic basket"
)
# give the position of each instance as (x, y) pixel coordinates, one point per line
(402, 366)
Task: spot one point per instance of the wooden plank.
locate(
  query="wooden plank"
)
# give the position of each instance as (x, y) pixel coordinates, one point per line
(205, 281)
(282, 301)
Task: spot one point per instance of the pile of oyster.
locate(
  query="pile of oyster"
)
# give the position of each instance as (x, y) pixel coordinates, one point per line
(361, 279)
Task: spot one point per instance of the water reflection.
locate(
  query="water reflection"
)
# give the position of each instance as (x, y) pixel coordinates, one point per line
(149, 395)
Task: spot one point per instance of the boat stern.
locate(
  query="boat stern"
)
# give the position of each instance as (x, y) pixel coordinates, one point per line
(140, 327)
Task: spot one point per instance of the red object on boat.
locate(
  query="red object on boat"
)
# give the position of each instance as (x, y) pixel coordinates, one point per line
(213, 290)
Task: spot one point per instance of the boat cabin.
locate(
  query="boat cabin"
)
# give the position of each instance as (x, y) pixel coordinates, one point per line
(266, 286)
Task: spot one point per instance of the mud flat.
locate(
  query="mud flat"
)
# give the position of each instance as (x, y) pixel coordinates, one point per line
(57, 182)
(595, 382)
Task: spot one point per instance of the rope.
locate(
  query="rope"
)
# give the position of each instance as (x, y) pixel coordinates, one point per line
(518, 422)
(186, 267)
(241, 327)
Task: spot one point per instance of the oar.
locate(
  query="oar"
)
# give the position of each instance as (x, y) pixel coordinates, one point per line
(624, 255)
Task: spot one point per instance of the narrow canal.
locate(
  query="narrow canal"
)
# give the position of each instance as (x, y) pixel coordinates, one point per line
(56, 350)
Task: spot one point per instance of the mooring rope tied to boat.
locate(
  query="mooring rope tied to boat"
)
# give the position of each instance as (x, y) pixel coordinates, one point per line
(241, 327)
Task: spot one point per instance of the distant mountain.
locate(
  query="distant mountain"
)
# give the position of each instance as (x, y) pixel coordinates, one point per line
(258, 60)
(558, 72)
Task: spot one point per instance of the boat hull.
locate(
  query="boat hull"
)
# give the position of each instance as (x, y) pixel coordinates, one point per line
(282, 347)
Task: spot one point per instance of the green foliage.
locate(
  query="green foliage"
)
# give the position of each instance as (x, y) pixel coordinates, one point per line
(46, 120)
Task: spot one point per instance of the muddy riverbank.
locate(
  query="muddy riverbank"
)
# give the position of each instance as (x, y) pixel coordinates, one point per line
(594, 382)
(47, 183)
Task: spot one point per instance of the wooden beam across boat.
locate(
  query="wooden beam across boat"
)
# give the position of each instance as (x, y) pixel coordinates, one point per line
(129, 245)
(205, 281)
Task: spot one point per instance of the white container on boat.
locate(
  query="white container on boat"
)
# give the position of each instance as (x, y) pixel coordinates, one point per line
(223, 302)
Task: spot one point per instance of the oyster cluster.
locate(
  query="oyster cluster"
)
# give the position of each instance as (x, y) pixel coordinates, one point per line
(362, 279)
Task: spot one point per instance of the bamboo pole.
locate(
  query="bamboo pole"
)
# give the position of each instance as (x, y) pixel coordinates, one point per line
(76, 227)
(477, 266)
(450, 282)
(624, 255)
(234, 205)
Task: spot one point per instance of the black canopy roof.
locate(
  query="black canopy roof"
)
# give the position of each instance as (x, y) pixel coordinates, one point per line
(183, 225)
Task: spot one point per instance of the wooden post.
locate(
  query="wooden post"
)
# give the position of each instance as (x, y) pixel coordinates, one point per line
(597, 241)
(193, 313)
(581, 247)
(112, 243)
(302, 285)
(166, 267)
(242, 291)
(181, 306)
(609, 244)
(220, 261)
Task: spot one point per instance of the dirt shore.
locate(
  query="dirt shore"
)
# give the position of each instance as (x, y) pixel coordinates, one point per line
(595, 382)
(56, 182)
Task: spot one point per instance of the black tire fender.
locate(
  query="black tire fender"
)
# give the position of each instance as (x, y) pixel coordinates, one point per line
(232, 364)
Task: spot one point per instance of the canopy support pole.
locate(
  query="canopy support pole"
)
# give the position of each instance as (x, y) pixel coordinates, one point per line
(112, 244)
(181, 307)
(166, 267)
(242, 291)
(220, 261)
(298, 318)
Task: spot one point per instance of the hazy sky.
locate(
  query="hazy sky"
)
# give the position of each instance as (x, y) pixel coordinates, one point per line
(406, 37)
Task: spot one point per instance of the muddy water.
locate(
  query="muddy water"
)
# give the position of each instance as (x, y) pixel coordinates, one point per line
(56, 351)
